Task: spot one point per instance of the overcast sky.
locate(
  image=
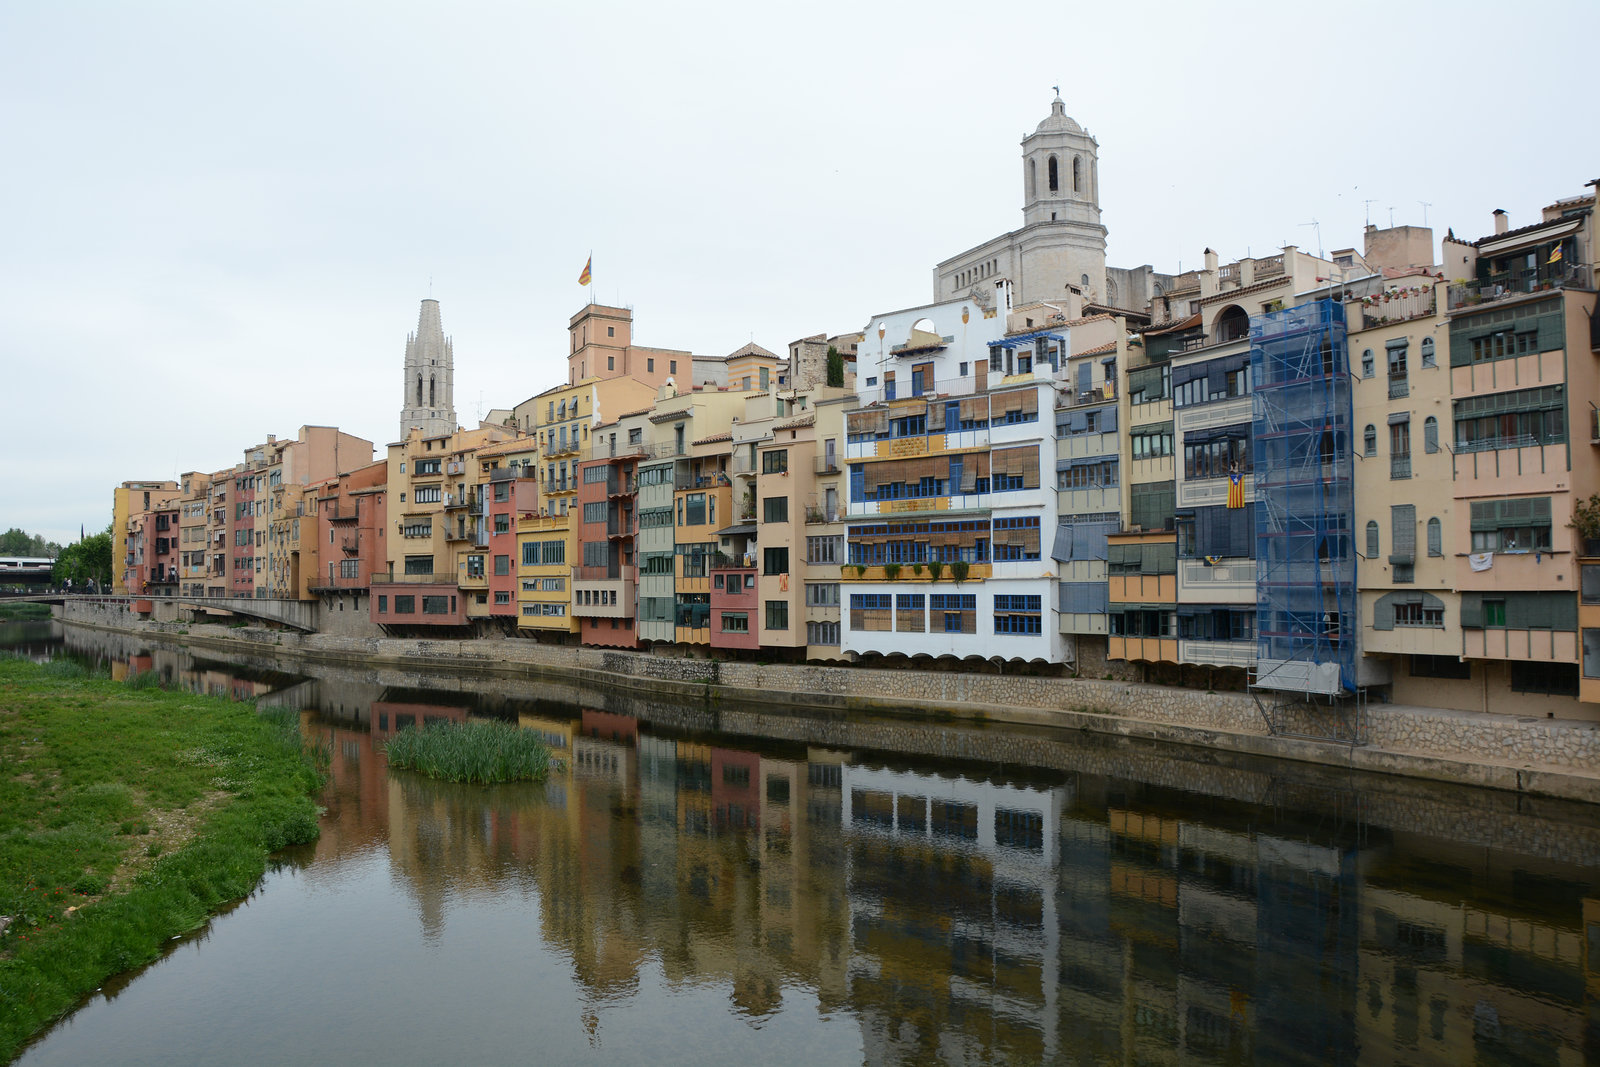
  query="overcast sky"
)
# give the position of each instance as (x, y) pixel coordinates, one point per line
(221, 218)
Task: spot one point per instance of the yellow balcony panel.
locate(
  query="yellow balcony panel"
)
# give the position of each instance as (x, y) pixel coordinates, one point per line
(1540, 646)
(1143, 649)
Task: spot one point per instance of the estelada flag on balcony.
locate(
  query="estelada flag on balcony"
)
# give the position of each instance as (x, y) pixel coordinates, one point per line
(1555, 255)
(583, 279)
(1235, 489)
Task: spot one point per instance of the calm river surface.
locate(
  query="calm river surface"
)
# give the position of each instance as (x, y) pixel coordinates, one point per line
(725, 885)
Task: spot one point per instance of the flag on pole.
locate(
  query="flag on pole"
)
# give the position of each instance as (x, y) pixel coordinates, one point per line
(583, 279)
(1235, 489)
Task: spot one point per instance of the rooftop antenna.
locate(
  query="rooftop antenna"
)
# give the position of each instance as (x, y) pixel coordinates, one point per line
(1368, 204)
(1318, 227)
(1391, 216)
(1425, 206)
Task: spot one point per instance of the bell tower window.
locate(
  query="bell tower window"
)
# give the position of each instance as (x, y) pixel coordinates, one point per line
(1077, 185)
(1055, 180)
(419, 390)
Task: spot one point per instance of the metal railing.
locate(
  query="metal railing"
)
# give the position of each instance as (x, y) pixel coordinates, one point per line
(1495, 444)
(389, 577)
(826, 464)
(1515, 283)
(1399, 387)
(1400, 466)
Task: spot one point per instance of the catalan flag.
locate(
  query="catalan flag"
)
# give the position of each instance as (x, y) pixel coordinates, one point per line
(1555, 255)
(584, 278)
(1235, 489)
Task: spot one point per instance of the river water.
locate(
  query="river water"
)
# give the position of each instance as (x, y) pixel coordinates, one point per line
(714, 884)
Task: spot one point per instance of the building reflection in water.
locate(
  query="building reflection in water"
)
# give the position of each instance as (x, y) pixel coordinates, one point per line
(1113, 904)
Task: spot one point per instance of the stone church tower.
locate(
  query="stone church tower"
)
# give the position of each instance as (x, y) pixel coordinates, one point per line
(1061, 242)
(429, 377)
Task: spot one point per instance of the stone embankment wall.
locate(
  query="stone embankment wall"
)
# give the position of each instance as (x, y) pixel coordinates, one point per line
(1551, 757)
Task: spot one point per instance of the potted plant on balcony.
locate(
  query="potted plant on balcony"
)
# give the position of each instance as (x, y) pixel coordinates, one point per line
(916, 569)
(959, 569)
(891, 571)
(936, 570)
(1586, 520)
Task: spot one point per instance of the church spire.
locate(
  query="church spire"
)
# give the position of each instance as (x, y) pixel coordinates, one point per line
(428, 397)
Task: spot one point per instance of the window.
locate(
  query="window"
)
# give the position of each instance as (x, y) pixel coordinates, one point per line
(502, 524)
(1415, 613)
(1590, 581)
(954, 613)
(775, 509)
(1369, 440)
(1591, 653)
(501, 596)
(870, 611)
(1494, 613)
(1430, 435)
(825, 549)
(1368, 363)
(910, 616)
(1512, 524)
(735, 622)
(1016, 614)
(822, 595)
(775, 561)
(1097, 474)
(1440, 667)
(1435, 538)
(419, 565)
(672, 366)
(1372, 539)
(427, 495)
(424, 466)
(1151, 443)
(1428, 357)
(405, 605)
(1550, 679)
(1400, 449)
(775, 461)
(822, 633)
(502, 565)
(383, 604)
(1398, 378)
(436, 605)
(650, 365)
(777, 614)
(1516, 419)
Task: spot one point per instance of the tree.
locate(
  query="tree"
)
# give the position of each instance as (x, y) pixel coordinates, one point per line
(17, 542)
(86, 560)
(835, 367)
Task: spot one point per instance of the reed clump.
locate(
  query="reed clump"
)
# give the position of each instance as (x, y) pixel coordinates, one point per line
(481, 752)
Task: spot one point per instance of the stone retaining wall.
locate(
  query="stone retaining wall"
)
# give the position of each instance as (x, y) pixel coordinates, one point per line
(1487, 749)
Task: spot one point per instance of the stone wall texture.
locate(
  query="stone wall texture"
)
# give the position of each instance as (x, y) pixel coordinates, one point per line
(1559, 757)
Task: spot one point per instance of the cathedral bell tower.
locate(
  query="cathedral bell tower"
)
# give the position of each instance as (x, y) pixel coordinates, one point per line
(429, 386)
(1061, 193)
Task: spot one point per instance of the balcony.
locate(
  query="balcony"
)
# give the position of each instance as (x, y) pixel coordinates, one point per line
(1400, 466)
(743, 464)
(1380, 309)
(389, 577)
(1518, 282)
(1399, 387)
(721, 561)
(816, 516)
(826, 464)
(469, 499)
(1217, 653)
(700, 480)
(559, 485)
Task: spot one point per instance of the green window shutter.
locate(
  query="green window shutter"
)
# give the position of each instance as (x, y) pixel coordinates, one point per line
(1472, 611)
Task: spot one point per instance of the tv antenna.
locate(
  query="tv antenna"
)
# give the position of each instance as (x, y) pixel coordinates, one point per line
(1368, 204)
(1425, 206)
(1318, 226)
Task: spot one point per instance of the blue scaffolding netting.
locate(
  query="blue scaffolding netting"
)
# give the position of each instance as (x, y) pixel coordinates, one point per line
(1306, 615)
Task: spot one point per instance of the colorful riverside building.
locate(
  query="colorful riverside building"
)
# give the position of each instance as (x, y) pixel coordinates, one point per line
(485, 515)
(130, 503)
(344, 536)
(194, 551)
(421, 584)
(950, 527)
(605, 576)
(1525, 455)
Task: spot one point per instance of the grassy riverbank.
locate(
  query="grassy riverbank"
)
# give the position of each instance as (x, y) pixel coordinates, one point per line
(128, 814)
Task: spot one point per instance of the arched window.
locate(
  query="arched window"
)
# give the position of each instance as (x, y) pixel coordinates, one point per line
(433, 391)
(1077, 177)
(1086, 283)
(1369, 440)
(1430, 434)
(1367, 363)
(1435, 538)
(1428, 359)
(419, 390)
(1054, 179)
(1372, 539)
(1033, 180)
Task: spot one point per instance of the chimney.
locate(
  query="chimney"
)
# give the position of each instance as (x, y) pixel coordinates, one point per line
(1211, 260)
(1502, 221)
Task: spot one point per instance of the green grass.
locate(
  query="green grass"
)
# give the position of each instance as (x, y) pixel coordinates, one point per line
(12, 612)
(479, 751)
(146, 809)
